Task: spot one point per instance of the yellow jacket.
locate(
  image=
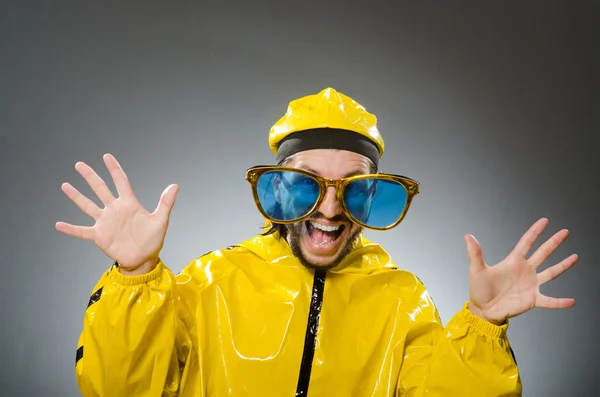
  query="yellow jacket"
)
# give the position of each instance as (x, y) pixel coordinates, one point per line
(250, 320)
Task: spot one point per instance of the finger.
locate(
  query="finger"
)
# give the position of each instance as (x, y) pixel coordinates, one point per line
(546, 249)
(96, 183)
(546, 302)
(474, 252)
(552, 272)
(166, 203)
(119, 177)
(84, 232)
(84, 203)
(528, 239)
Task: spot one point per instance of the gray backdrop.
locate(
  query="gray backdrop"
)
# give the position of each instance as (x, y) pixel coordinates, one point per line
(491, 108)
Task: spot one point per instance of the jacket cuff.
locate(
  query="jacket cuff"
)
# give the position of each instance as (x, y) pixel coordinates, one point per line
(485, 327)
(140, 279)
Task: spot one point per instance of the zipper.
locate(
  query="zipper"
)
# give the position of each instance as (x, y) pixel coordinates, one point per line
(310, 337)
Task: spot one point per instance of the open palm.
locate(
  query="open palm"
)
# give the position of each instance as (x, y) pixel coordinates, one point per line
(124, 230)
(512, 287)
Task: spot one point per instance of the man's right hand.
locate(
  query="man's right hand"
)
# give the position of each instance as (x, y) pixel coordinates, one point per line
(124, 230)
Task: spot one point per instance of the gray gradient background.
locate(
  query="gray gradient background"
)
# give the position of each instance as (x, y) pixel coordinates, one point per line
(492, 108)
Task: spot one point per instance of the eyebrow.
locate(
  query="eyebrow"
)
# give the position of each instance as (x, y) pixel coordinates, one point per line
(348, 175)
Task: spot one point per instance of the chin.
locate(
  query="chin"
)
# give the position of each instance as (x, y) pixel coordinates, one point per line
(319, 262)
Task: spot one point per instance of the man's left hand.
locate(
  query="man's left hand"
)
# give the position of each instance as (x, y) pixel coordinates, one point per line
(512, 287)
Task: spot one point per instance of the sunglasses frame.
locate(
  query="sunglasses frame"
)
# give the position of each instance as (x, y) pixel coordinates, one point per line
(254, 173)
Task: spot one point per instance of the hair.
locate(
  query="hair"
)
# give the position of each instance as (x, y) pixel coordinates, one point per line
(280, 229)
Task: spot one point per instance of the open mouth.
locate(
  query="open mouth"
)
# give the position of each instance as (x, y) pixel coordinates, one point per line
(324, 236)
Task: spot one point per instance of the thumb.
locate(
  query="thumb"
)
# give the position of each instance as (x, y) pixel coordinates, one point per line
(166, 203)
(474, 252)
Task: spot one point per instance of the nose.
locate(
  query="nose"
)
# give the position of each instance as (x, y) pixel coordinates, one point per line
(330, 207)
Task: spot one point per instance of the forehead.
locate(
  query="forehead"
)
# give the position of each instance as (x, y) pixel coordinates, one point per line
(331, 163)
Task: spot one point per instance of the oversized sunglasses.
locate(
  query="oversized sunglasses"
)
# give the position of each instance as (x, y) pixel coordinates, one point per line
(288, 195)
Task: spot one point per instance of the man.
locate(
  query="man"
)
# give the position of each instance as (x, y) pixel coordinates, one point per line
(310, 307)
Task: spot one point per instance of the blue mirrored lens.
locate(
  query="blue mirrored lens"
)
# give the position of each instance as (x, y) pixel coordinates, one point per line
(287, 195)
(375, 202)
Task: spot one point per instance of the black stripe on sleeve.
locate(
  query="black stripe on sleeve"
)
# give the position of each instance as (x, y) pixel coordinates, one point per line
(79, 354)
(95, 297)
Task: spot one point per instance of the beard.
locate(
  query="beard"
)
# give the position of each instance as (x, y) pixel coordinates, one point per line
(294, 236)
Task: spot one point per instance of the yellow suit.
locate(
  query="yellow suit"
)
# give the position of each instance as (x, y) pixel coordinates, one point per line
(250, 320)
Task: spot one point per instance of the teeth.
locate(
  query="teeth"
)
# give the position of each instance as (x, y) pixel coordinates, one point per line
(324, 227)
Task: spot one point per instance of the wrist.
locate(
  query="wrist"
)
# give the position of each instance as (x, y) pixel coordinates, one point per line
(144, 268)
(481, 314)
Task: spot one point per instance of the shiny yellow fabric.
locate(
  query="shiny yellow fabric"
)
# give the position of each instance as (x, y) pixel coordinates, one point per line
(233, 323)
(327, 109)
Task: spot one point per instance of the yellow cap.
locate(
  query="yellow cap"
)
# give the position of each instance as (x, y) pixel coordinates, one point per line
(327, 109)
